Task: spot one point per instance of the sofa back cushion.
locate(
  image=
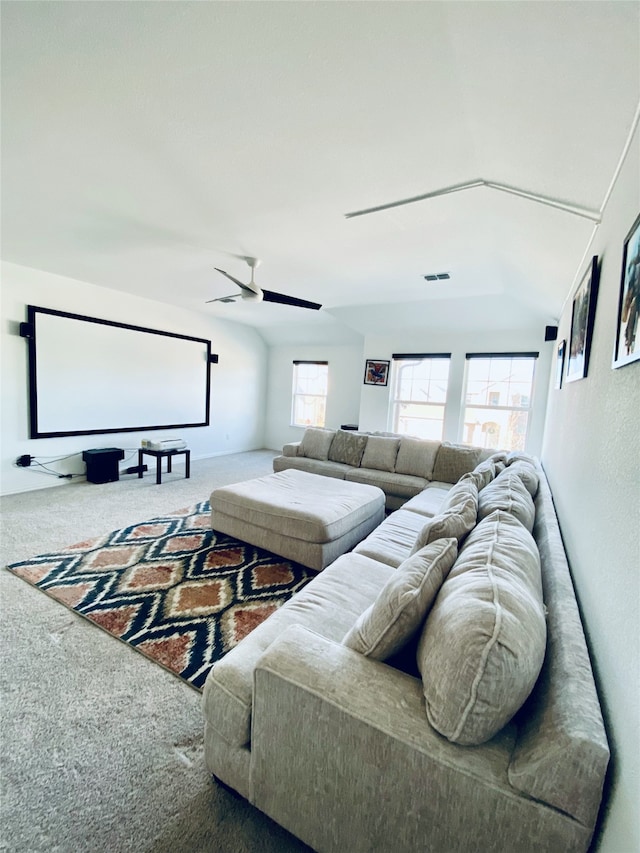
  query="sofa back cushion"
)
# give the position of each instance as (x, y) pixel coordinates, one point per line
(347, 447)
(416, 456)
(508, 493)
(380, 453)
(316, 442)
(458, 515)
(403, 602)
(454, 460)
(484, 641)
(527, 472)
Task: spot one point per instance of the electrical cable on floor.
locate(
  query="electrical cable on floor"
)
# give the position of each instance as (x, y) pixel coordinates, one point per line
(50, 460)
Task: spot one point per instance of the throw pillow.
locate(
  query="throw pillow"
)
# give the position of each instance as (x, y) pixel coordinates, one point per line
(481, 475)
(380, 453)
(347, 447)
(508, 493)
(483, 644)
(458, 494)
(403, 603)
(416, 456)
(457, 519)
(316, 442)
(454, 460)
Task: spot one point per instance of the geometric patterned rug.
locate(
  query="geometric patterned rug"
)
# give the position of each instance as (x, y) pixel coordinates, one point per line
(174, 589)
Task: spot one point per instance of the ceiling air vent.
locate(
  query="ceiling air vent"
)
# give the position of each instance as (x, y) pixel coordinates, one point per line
(438, 276)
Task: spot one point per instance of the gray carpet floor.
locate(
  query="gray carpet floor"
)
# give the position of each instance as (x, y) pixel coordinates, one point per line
(102, 750)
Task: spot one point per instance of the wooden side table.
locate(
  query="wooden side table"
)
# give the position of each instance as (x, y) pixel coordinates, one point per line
(162, 454)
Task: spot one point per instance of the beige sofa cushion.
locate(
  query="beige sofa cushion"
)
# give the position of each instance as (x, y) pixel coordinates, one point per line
(428, 502)
(458, 515)
(328, 605)
(454, 460)
(390, 483)
(458, 495)
(482, 474)
(483, 643)
(500, 460)
(508, 493)
(298, 505)
(316, 442)
(518, 456)
(337, 470)
(392, 541)
(527, 472)
(380, 453)
(403, 603)
(347, 447)
(417, 456)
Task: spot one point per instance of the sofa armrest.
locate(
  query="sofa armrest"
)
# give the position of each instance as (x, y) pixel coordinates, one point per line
(291, 449)
(343, 756)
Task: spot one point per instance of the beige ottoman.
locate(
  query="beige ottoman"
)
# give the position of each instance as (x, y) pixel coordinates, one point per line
(305, 517)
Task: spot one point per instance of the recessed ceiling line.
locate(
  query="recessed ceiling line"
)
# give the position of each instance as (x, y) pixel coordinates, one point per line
(623, 157)
(574, 209)
(467, 185)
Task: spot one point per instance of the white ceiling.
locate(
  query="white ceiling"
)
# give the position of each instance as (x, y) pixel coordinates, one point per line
(144, 143)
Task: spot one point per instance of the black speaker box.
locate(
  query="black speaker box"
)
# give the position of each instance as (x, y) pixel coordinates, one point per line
(550, 333)
(102, 464)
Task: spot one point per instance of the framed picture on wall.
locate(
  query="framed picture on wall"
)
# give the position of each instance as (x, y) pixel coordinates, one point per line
(582, 318)
(560, 363)
(627, 339)
(376, 372)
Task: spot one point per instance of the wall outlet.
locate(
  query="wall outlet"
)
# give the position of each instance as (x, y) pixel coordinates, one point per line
(24, 461)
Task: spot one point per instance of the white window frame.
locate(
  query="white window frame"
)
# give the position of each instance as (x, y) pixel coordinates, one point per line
(405, 360)
(465, 435)
(316, 401)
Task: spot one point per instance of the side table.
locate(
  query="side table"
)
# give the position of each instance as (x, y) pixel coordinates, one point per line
(160, 455)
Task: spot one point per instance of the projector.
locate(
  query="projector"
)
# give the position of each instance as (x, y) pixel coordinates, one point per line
(163, 444)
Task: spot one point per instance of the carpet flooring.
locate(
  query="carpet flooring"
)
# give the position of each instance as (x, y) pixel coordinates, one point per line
(177, 591)
(100, 748)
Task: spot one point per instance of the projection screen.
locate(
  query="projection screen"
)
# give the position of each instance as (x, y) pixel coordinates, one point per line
(90, 376)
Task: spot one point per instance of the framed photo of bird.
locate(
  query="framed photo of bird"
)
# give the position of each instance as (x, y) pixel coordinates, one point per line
(376, 372)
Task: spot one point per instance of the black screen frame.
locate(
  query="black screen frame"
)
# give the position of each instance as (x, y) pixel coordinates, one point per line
(31, 333)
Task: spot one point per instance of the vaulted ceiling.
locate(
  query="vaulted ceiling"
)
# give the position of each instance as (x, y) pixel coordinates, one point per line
(144, 144)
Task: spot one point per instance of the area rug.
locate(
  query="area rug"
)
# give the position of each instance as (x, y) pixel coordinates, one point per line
(172, 588)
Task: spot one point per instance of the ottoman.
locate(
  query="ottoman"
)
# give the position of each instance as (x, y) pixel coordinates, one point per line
(305, 517)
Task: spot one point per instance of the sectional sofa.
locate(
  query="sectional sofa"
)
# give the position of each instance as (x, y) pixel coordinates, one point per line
(401, 466)
(429, 690)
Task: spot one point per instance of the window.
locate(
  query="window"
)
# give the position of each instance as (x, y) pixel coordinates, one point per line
(419, 393)
(310, 382)
(498, 399)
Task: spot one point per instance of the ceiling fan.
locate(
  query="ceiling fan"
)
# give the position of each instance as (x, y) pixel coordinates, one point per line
(252, 293)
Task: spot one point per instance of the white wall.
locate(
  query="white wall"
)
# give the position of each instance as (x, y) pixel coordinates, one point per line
(374, 405)
(351, 401)
(346, 372)
(238, 381)
(591, 454)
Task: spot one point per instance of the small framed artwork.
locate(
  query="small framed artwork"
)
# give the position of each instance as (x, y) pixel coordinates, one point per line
(560, 363)
(582, 317)
(627, 338)
(376, 372)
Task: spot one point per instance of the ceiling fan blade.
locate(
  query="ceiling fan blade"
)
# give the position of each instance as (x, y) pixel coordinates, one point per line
(240, 284)
(282, 299)
(231, 298)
